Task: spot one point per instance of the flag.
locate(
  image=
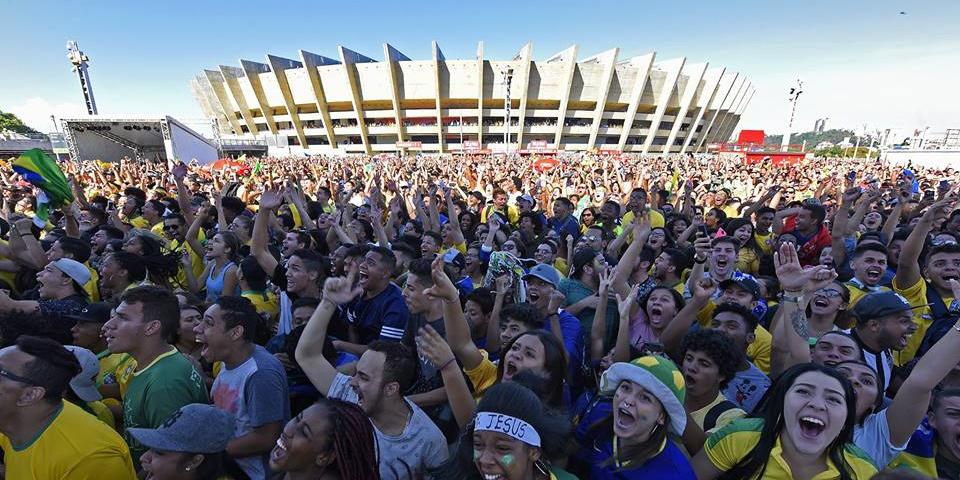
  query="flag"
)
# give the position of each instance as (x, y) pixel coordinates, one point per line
(44, 173)
(257, 167)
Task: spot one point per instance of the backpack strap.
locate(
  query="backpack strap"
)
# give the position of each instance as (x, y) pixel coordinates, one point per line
(710, 420)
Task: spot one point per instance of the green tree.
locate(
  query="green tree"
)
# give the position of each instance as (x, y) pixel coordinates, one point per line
(9, 121)
(812, 139)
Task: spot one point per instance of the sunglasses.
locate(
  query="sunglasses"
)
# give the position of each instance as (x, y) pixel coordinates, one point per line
(828, 293)
(168, 228)
(17, 378)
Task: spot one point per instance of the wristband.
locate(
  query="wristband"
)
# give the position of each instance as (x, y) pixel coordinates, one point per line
(448, 362)
(699, 262)
(791, 298)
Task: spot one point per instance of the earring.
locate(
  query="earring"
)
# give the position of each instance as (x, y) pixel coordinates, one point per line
(187, 469)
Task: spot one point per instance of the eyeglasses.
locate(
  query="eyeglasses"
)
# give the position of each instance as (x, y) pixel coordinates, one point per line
(829, 293)
(168, 228)
(17, 378)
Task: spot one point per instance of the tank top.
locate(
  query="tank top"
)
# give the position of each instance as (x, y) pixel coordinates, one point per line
(215, 284)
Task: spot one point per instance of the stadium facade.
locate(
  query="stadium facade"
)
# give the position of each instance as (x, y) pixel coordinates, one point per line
(355, 104)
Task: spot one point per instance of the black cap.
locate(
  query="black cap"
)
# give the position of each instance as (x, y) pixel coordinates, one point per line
(744, 282)
(881, 304)
(98, 312)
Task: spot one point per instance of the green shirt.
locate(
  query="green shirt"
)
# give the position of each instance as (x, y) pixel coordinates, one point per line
(574, 290)
(157, 391)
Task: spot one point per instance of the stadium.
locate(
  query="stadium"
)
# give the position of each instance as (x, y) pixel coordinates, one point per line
(356, 104)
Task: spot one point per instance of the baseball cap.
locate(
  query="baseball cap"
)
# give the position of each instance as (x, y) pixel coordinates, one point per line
(744, 282)
(544, 272)
(84, 384)
(73, 269)
(528, 198)
(195, 428)
(881, 304)
(98, 312)
(455, 258)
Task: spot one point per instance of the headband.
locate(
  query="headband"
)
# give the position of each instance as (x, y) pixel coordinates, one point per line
(507, 425)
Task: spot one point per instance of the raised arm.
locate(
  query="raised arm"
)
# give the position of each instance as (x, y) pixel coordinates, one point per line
(598, 329)
(432, 345)
(908, 265)
(309, 352)
(910, 404)
(183, 196)
(838, 230)
(672, 336)
(269, 201)
(625, 307)
(493, 326)
(454, 322)
(628, 262)
(452, 218)
(781, 216)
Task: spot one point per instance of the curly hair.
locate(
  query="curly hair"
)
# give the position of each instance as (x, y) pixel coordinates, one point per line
(719, 347)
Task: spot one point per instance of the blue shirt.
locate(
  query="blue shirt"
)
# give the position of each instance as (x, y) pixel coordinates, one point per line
(566, 226)
(382, 317)
(572, 338)
(670, 463)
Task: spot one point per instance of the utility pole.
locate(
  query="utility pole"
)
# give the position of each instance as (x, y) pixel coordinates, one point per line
(792, 98)
(79, 61)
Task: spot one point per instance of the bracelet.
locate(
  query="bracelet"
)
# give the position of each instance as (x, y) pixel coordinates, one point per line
(791, 298)
(448, 362)
(699, 262)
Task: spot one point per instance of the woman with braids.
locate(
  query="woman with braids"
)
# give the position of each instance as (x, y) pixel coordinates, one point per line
(635, 440)
(512, 437)
(222, 253)
(803, 430)
(330, 440)
(190, 445)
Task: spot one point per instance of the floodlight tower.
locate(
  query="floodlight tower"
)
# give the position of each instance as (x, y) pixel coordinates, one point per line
(794, 95)
(79, 61)
(507, 77)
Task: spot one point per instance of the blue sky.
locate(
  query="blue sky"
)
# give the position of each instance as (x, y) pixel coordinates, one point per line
(861, 61)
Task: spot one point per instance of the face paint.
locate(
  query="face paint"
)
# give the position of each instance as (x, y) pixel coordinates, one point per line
(476, 455)
(506, 460)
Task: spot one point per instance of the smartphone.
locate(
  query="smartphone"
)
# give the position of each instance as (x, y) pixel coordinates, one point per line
(702, 231)
(944, 185)
(110, 205)
(852, 175)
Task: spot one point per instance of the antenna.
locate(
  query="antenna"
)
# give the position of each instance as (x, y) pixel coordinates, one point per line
(79, 61)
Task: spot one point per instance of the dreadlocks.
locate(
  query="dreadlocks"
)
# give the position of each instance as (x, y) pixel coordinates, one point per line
(351, 440)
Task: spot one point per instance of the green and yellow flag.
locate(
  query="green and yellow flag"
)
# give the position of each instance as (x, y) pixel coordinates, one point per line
(44, 173)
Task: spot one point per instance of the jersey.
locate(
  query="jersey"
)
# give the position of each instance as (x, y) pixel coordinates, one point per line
(73, 446)
(156, 391)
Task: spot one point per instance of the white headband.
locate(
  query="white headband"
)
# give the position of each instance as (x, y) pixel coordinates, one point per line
(507, 425)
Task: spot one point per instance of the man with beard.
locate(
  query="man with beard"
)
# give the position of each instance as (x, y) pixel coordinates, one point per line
(637, 207)
(928, 289)
(580, 292)
(380, 313)
(668, 267)
(869, 265)
(102, 236)
(410, 444)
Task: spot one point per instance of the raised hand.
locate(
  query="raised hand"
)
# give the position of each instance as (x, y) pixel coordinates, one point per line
(606, 279)
(271, 199)
(340, 290)
(443, 287)
(793, 277)
(624, 305)
(503, 284)
(557, 300)
(432, 345)
(704, 289)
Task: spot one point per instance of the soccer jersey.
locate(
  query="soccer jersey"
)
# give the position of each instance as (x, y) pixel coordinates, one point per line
(729, 445)
(73, 446)
(156, 391)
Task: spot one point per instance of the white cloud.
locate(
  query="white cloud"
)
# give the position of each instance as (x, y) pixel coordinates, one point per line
(36, 111)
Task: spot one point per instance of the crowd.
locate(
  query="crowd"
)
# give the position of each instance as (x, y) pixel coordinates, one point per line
(596, 317)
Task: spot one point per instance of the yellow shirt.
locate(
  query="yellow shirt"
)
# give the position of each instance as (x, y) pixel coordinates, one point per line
(103, 413)
(483, 376)
(726, 417)
(513, 214)
(92, 287)
(727, 446)
(74, 445)
(656, 218)
(139, 222)
(266, 303)
(856, 293)
(765, 242)
(758, 351)
(916, 294)
(196, 263)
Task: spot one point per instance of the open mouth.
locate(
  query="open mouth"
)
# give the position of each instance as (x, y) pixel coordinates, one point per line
(811, 427)
(874, 274)
(821, 302)
(492, 476)
(362, 278)
(623, 418)
(279, 451)
(722, 263)
(509, 369)
(533, 296)
(689, 380)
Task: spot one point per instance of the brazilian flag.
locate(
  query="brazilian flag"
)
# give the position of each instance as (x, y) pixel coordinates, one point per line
(44, 173)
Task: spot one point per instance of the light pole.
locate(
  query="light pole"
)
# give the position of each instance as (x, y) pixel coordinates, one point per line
(79, 61)
(507, 77)
(793, 96)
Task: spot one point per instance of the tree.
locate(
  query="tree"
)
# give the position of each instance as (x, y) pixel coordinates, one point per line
(9, 121)
(813, 138)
